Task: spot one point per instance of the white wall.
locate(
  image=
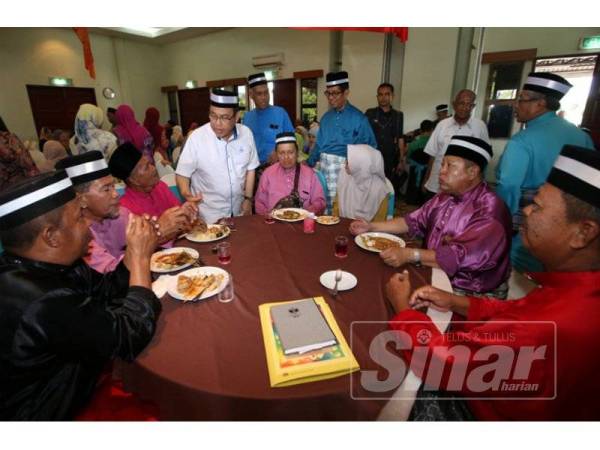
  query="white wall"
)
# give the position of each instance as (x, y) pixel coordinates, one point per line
(362, 58)
(428, 73)
(32, 55)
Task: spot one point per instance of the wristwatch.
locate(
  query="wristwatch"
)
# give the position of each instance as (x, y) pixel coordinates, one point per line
(416, 257)
(247, 198)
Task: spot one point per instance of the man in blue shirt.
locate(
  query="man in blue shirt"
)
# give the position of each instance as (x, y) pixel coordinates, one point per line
(343, 124)
(266, 121)
(530, 154)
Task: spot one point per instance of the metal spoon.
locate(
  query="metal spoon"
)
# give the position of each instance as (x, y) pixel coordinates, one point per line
(338, 278)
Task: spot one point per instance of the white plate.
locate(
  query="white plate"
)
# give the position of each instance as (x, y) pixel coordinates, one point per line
(224, 228)
(156, 269)
(348, 280)
(358, 240)
(321, 220)
(303, 214)
(196, 271)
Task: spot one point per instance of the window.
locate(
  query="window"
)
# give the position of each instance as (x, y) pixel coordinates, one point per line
(503, 84)
(308, 100)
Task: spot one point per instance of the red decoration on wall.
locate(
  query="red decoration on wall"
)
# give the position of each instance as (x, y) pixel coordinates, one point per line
(400, 32)
(88, 58)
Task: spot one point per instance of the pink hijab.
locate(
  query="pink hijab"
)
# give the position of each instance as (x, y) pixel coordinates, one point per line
(128, 129)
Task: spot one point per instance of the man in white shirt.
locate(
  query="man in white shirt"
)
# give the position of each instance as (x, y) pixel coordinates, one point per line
(217, 165)
(461, 124)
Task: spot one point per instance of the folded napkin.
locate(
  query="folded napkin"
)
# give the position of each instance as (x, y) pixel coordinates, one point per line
(159, 287)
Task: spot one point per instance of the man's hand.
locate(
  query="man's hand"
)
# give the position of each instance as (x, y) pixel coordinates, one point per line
(428, 296)
(190, 210)
(397, 291)
(173, 222)
(359, 226)
(246, 207)
(142, 240)
(395, 256)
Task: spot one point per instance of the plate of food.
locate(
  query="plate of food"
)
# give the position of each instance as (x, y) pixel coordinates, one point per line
(378, 242)
(173, 259)
(210, 233)
(197, 283)
(290, 214)
(328, 220)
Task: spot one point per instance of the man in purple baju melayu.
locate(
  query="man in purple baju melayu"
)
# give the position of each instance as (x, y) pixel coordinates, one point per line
(466, 227)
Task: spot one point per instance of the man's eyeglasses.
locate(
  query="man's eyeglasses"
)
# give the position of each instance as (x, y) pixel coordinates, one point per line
(215, 118)
(334, 94)
(526, 100)
(466, 105)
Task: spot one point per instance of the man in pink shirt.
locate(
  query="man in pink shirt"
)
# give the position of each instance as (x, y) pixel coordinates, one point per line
(92, 180)
(287, 176)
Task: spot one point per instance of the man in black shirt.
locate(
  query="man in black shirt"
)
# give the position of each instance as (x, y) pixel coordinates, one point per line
(60, 321)
(387, 124)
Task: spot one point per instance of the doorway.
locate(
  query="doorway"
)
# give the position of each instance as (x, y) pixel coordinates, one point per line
(56, 107)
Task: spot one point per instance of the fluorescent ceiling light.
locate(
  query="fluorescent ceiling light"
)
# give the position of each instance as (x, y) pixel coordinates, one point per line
(150, 32)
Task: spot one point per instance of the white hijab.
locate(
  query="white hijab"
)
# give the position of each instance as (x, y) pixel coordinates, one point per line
(360, 194)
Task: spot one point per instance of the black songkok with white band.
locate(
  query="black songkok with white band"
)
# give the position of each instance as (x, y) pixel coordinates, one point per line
(548, 84)
(34, 197)
(441, 108)
(84, 168)
(223, 99)
(471, 148)
(288, 136)
(257, 79)
(336, 78)
(576, 171)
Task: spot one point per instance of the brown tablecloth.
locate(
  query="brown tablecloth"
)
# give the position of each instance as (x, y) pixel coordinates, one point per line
(207, 360)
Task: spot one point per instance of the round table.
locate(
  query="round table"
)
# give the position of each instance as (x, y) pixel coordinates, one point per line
(207, 360)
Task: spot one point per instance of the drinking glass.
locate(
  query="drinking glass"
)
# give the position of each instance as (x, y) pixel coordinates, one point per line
(227, 294)
(224, 252)
(341, 246)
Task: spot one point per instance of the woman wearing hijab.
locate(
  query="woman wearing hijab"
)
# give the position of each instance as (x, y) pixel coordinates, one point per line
(89, 135)
(15, 161)
(362, 189)
(54, 151)
(129, 130)
(152, 124)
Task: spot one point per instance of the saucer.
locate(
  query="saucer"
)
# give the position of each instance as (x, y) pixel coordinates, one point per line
(347, 282)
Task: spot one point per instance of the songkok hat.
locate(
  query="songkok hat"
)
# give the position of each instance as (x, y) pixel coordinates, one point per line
(336, 78)
(34, 197)
(288, 136)
(223, 99)
(576, 171)
(441, 108)
(123, 160)
(86, 167)
(257, 79)
(471, 148)
(548, 84)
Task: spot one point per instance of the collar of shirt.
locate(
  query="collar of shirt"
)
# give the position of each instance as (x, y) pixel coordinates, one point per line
(568, 280)
(541, 119)
(471, 194)
(460, 125)
(233, 136)
(51, 267)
